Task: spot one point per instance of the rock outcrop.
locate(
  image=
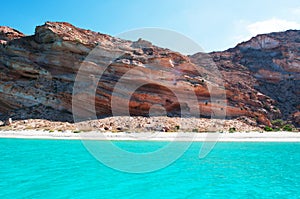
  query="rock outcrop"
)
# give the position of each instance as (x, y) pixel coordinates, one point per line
(265, 73)
(37, 73)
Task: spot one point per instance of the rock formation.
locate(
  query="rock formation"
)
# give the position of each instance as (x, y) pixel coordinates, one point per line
(258, 80)
(265, 72)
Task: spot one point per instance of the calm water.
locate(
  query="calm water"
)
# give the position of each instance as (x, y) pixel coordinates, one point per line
(64, 169)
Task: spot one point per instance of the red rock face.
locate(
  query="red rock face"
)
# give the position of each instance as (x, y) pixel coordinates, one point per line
(267, 67)
(37, 74)
(7, 34)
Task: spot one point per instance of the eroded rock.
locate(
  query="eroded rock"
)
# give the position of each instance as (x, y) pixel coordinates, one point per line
(37, 74)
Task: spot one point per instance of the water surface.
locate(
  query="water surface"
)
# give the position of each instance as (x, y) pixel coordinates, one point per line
(65, 169)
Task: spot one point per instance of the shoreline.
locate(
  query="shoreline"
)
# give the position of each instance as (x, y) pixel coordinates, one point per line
(155, 136)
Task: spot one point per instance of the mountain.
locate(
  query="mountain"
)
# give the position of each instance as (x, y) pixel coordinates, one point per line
(42, 74)
(268, 64)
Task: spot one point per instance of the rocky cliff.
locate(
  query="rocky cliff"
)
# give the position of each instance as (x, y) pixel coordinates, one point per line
(265, 74)
(258, 80)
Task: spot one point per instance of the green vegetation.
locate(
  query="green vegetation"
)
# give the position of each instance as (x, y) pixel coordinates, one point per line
(278, 123)
(267, 128)
(77, 131)
(177, 127)
(232, 129)
(288, 127)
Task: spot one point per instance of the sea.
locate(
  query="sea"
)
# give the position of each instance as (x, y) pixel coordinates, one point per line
(66, 169)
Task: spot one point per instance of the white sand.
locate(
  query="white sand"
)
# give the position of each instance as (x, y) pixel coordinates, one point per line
(158, 136)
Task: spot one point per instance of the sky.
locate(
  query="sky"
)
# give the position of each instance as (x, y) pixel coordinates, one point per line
(214, 25)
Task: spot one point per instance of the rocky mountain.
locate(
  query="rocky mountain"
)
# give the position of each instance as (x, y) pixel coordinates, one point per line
(257, 81)
(265, 72)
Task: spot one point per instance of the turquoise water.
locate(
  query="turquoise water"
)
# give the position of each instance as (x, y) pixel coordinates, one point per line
(64, 169)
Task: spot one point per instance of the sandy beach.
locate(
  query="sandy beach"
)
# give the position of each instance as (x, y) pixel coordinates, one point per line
(157, 136)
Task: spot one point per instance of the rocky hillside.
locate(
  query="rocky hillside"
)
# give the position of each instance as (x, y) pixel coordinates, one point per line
(264, 73)
(258, 80)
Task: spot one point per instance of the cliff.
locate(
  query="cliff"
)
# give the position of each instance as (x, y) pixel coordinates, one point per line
(265, 72)
(258, 80)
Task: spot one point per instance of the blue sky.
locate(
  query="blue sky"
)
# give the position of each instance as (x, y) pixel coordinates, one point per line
(214, 25)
